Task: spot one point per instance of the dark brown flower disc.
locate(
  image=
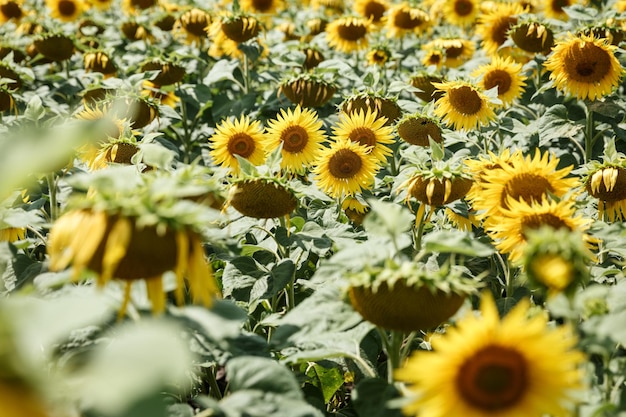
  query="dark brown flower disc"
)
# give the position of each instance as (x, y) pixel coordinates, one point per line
(262, 199)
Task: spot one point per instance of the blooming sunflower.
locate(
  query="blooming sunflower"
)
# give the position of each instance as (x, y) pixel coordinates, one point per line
(493, 26)
(403, 20)
(456, 51)
(345, 168)
(373, 10)
(506, 75)
(461, 12)
(528, 179)
(11, 10)
(366, 129)
(241, 137)
(66, 10)
(553, 9)
(463, 105)
(348, 34)
(301, 135)
(585, 67)
(378, 55)
(267, 7)
(487, 366)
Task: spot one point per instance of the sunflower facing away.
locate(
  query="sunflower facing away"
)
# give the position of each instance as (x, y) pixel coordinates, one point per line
(241, 137)
(607, 183)
(488, 366)
(367, 130)
(463, 105)
(493, 26)
(348, 34)
(262, 6)
(192, 25)
(301, 135)
(345, 168)
(584, 67)
(506, 75)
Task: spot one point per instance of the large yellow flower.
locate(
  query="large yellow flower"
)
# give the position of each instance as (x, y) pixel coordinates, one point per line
(463, 105)
(584, 67)
(373, 10)
(553, 9)
(262, 6)
(487, 366)
(494, 25)
(241, 137)
(461, 12)
(345, 168)
(348, 34)
(404, 20)
(301, 134)
(366, 129)
(66, 10)
(506, 75)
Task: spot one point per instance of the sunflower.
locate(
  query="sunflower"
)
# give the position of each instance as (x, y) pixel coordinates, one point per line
(528, 179)
(267, 7)
(54, 46)
(348, 34)
(424, 89)
(504, 74)
(553, 9)
(262, 197)
(66, 10)
(114, 151)
(461, 12)
(165, 97)
(99, 61)
(493, 27)
(136, 31)
(373, 10)
(109, 125)
(378, 55)
(607, 183)
(239, 27)
(510, 228)
(308, 89)
(301, 135)
(243, 137)
(168, 72)
(345, 168)
(418, 129)
(456, 51)
(534, 37)
(312, 57)
(366, 129)
(463, 105)
(374, 102)
(137, 6)
(487, 366)
(192, 25)
(355, 209)
(11, 10)
(403, 20)
(12, 234)
(585, 67)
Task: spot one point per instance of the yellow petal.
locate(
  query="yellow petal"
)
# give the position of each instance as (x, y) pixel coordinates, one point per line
(115, 249)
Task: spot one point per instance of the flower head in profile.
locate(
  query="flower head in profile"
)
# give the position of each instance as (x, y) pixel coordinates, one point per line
(241, 137)
(606, 181)
(488, 366)
(463, 105)
(404, 20)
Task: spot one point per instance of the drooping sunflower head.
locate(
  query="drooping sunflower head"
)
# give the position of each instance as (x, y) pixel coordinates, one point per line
(424, 85)
(345, 168)
(418, 129)
(169, 71)
(348, 34)
(606, 181)
(192, 25)
(463, 105)
(54, 46)
(138, 6)
(300, 133)
(242, 137)
(408, 296)
(609, 30)
(383, 106)
(486, 365)
(555, 9)
(262, 7)
(556, 260)
(262, 197)
(405, 19)
(504, 74)
(367, 129)
(532, 36)
(66, 10)
(309, 89)
(584, 67)
(99, 61)
(493, 27)
(456, 51)
(461, 12)
(313, 56)
(373, 10)
(136, 31)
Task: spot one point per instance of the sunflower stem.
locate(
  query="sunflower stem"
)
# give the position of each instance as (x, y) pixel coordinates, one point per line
(394, 353)
(212, 380)
(418, 230)
(186, 137)
(52, 193)
(246, 74)
(589, 134)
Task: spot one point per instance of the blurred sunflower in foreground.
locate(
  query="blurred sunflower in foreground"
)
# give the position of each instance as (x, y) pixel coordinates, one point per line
(488, 366)
(128, 227)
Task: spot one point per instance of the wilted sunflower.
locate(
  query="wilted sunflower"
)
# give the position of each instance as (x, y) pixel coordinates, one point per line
(243, 137)
(487, 366)
(528, 179)
(168, 72)
(135, 31)
(348, 34)
(531, 36)
(403, 19)
(456, 51)
(493, 27)
(11, 10)
(607, 182)
(584, 67)
(504, 74)
(373, 10)
(345, 168)
(192, 25)
(418, 129)
(99, 61)
(66, 10)
(131, 232)
(366, 129)
(510, 228)
(463, 105)
(461, 12)
(301, 135)
(239, 27)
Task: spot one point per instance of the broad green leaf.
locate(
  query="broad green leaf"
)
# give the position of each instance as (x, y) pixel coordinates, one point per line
(254, 403)
(222, 70)
(263, 374)
(371, 396)
(448, 241)
(329, 379)
(388, 219)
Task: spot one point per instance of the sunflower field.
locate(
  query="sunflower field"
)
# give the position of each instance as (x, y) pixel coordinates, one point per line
(281, 208)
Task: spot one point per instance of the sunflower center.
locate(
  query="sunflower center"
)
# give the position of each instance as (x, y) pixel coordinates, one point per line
(500, 30)
(344, 164)
(374, 10)
(404, 19)
(364, 137)
(11, 10)
(527, 187)
(465, 100)
(262, 5)
(142, 4)
(557, 5)
(535, 221)
(463, 7)
(67, 8)
(294, 139)
(454, 51)
(241, 144)
(351, 31)
(498, 78)
(495, 378)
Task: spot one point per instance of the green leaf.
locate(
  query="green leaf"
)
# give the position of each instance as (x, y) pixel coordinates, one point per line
(263, 374)
(329, 379)
(387, 219)
(222, 70)
(371, 396)
(34, 110)
(448, 241)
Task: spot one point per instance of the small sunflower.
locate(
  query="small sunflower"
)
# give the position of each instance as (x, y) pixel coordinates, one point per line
(136, 31)
(493, 27)
(424, 85)
(487, 366)
(192, 25)
(301, 135)
(366, 129)
(463, 105)
(585, 67)
(54, 46)
(504, 74)
(417, 129)
(456, 51)
(66, 10)
(553, 9)
(378, 55)
(348, 34)
(345, 168)
(263, 7)
(11, 10)
(312, 57)
(241, 137)
(510, 228)
(373, 10)
(239, 27)
(461, 12)
(403, 19)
